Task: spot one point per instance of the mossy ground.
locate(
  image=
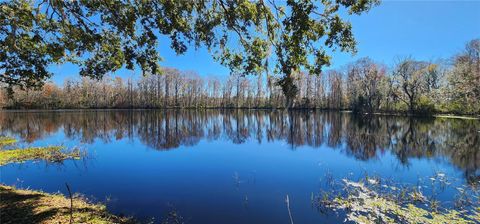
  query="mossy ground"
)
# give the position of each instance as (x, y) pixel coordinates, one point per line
(27, 206)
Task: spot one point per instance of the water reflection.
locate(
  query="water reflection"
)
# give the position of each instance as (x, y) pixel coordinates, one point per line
(364, 138)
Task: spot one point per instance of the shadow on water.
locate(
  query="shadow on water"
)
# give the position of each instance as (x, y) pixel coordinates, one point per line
(363, 138)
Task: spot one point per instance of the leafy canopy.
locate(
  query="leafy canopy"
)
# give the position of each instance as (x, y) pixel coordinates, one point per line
(104, 36)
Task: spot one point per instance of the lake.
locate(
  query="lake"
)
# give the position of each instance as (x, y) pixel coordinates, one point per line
(237, 166)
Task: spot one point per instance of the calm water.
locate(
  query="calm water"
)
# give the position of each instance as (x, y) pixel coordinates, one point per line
(235, 166)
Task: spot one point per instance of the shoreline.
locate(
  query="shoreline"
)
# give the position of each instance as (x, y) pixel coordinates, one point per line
(35, 206)
(433, 115)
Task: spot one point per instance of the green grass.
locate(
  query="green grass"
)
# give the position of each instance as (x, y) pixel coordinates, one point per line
(50, 154)
(27, 206)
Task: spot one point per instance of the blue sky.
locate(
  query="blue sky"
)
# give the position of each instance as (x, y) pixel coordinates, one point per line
(425, 30)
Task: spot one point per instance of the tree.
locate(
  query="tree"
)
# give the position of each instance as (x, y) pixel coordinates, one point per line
(365, 79)
(363, 87)
(170, 78)
(301, 33)
(259, 92)
(465, 78)
(104, 36)
(411, 77)
(335, 97)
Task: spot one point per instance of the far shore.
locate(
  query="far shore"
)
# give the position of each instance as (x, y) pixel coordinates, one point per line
(435, 115)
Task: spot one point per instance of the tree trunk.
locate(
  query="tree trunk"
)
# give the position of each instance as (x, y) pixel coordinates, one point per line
(289, 89)
(289, 101)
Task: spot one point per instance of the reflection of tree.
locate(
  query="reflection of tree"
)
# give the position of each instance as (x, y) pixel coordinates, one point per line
(365, 136)
(361, 137)
(335, 129)
(414, 139)
(462, 144)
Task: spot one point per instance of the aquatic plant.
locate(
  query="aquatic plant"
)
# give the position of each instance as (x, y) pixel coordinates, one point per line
(4, 140)
(362, 204)
(50, 154)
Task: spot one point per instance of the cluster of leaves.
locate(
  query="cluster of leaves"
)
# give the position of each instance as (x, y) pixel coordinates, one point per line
(98, 36)
(104, 36)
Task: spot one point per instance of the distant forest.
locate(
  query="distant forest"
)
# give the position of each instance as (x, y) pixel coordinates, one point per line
(410, 86)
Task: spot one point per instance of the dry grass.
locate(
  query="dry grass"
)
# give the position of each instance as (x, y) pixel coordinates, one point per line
(26, 206)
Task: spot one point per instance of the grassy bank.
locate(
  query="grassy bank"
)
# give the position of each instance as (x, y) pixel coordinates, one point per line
(27, 206)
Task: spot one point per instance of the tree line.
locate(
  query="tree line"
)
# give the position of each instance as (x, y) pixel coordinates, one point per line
(101, 37)
(449, 86)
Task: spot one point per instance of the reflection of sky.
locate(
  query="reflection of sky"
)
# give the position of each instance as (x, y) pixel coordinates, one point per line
(199, 180)
(427, 30)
